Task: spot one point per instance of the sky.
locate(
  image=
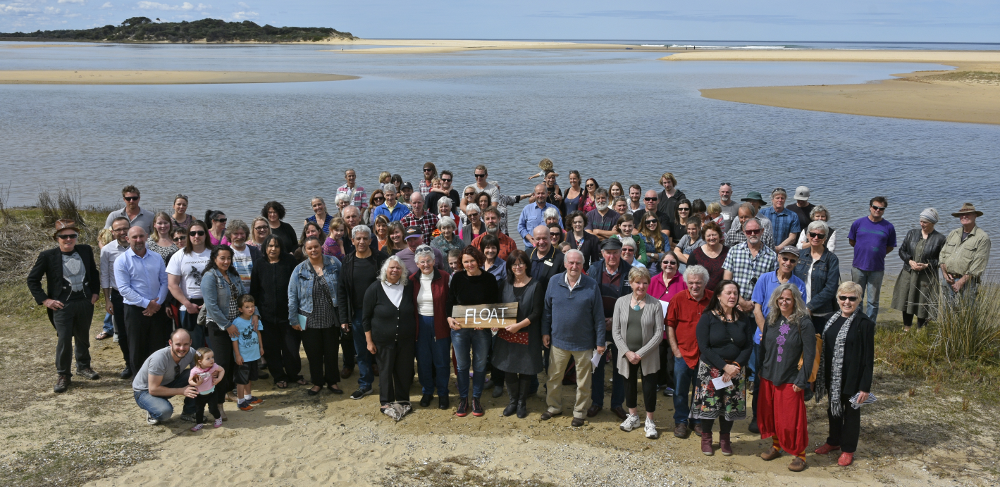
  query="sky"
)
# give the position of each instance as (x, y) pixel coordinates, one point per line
(844, 20)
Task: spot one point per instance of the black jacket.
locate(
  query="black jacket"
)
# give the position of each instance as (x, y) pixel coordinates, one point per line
(859, 356)
(348, 284)
(591, 248)
(543, 272)
(932, 249)
(269, 288)
(50, 264)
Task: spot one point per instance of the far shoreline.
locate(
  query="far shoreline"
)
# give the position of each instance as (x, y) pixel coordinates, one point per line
(146, 77)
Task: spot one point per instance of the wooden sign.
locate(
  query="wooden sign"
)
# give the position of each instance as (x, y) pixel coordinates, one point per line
(496, 315)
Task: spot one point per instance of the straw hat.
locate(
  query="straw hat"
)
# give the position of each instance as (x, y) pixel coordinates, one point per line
(966, 209)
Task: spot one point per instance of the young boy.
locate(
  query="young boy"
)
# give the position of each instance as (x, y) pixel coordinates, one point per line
(247, 350)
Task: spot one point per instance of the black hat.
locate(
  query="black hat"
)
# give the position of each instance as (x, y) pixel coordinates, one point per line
(612, 244)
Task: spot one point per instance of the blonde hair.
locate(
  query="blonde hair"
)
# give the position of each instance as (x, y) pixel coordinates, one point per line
(104, 237)
(154, 235)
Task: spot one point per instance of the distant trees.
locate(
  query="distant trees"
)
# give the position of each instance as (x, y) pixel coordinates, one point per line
(140, 29)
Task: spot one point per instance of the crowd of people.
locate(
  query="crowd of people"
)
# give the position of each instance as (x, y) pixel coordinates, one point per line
(703, 302)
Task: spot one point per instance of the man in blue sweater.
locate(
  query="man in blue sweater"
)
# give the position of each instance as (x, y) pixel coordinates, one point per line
(573, 326)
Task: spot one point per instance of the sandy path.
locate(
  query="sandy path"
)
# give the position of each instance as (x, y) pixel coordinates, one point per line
(107, 77)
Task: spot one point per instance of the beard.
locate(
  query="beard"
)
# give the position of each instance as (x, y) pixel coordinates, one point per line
(493, 230)
(601, 206)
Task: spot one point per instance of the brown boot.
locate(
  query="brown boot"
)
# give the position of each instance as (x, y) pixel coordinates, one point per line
(725, 445)
(706, 443)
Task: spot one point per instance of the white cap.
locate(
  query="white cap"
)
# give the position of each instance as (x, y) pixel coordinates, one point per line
(802, 193)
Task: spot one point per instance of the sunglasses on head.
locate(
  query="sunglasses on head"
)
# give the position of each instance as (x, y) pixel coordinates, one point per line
(848, 298)
(725, 184)
(68, 236)
(878, 208)
(197, 233)
(817, 235)
(131, 198)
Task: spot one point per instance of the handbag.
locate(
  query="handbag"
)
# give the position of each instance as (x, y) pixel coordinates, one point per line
(815, 369)
(203, 316)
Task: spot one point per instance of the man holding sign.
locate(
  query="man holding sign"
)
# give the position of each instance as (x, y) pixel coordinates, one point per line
(573, 326)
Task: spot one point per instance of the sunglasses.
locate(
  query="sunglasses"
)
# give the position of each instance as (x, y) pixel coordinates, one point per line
(445, 180)
(751, 232)
(469, 194)
(179, 239)
(222, 220)
(651, 199)
(848, 298)
(683, 209)
(627, 249)
(650, 221)
(878, 208)
(379, 198)
(473, 214)
(480, 176)
(197, 233)
(428, 170)
(669, 262)
(131, 198)
(68, 236)
(817, 235)
(555, 235)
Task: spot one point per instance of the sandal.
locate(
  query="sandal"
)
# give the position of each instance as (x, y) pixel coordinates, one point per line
(301, 382)
(102, 335)
(281, 384)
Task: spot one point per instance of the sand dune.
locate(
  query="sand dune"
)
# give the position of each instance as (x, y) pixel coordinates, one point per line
(106, 77)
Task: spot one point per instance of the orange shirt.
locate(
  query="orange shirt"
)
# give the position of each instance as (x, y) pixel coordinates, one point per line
(683, 314)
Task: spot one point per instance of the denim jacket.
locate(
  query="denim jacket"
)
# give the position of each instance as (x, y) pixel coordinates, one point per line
(825, 279)
(215, 291)
(300, 286)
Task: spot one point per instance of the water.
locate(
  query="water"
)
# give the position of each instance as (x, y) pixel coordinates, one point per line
(612, 115)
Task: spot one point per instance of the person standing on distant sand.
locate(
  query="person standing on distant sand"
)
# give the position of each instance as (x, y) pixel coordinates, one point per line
(72, 288)
(353, 191)
(872, 237)
(180, 218)
(964, 255)
(275, 213)
(137, 217)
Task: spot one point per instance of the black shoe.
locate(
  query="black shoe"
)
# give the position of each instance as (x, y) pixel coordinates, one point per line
(522, 409)
(426, 400)
(126, 373)
(510, 409)
(753, 426)
(463, 407)
(358, 394)
(547, 415)
(489, 384)
(497, 391)
(314, 392)
(334, 390)
(62, 383)
(88, 373)
(443, 402)
(477, 407)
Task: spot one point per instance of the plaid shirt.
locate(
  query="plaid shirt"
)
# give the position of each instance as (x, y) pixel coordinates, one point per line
(735, 236)
(427, 224)
(360, 198)
(425, 187)
(746, 268)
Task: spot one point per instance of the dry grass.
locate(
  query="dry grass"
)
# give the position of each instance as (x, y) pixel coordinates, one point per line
(970, 77)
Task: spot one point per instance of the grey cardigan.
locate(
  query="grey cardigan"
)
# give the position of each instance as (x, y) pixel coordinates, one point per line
(652, 334)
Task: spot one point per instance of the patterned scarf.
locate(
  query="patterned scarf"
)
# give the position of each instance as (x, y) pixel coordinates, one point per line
(836, 365)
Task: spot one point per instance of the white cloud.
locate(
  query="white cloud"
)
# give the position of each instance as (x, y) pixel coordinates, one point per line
(107, 5)
(243, 15)
(16, 8)
(146, 5)
(71, 1)
(241, 4)
(52, 10)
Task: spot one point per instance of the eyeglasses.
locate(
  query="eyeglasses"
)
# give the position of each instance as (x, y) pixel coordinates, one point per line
(669, 262)
(789, 259)
(591, 185)
(260, 228)
(683, 209)
(197, 233)
(650, 221)
(847, 298)
(180, 239)
(878, 208)
(517, 264)
(651, 199)
(480, 176)
(752, 232)
(627, 249)
(443, 180)
(68, 236)
(222, 220)
(131, 198)
(817, 235)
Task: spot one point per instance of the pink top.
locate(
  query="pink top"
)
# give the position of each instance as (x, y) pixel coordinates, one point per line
(665, 292)
(332, 247)
(206, 386)
(216, 241)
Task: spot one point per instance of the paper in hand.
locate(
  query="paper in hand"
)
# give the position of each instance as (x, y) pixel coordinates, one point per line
(854, 400)
(720, 384)
(596, 358)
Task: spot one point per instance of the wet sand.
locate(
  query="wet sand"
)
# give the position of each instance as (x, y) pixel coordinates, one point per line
(107, 77)
(970, 94)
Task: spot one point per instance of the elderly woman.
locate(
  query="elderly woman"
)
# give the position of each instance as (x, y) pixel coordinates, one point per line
(468, 198)
(668, 281)
(711, 255)
(221, 287)
(916, 288)
(320, 215)
(819, 268)
(517, 351)
(159, 239)
(444, 208)
(334, 244)
(788, 338)
(275, 213)
(725, 341)
(269, 286)
(374, 201)
(819, 213)
(586, 242)
(475, 226)
(430, 295)
(624, 227)
(217, 227)
(448, 239)
(342, 200)
(389, 322)
(469, 287)
(845, 373)
(620, 205)
(312, 309)
(637, 328)
(259, 230)
(180, 218)
(551, 215)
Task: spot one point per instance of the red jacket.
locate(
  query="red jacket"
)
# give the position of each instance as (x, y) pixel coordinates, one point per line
(439, 293)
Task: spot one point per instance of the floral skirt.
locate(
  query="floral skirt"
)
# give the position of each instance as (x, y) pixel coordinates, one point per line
(711, 403)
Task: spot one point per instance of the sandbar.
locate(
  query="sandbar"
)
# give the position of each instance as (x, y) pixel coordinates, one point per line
(431, 46)
(108, 77)
(970, 94)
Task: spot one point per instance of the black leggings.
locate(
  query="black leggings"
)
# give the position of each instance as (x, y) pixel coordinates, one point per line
(321, 346)
(724, 426)
(199, 404)
(845, 429)
(648, 388)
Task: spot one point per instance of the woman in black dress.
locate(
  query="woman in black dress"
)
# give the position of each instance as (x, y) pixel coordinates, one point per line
(517, 350)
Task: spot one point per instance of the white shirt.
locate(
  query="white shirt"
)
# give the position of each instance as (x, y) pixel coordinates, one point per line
(190, 268)
(570, 284)
(425, 298)
(109, 253)
(394, 292)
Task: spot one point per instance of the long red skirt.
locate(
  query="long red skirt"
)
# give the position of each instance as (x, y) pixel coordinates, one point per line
(781, 413)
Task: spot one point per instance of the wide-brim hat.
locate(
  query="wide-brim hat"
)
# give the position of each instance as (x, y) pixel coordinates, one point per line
(966, 209)
(64, 224)
(755, 196)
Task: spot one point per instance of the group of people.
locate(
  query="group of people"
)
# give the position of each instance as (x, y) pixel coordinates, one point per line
(710, 300)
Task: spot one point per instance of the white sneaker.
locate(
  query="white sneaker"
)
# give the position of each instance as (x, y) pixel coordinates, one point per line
(650, 429)
(631, 422)
(116, 338)
(150, 420)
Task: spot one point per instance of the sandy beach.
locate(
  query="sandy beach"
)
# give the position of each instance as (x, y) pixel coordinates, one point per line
(428, 46)
(107, 77)
(970, 94)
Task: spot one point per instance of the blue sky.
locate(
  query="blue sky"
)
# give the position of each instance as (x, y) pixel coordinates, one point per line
(846, 20)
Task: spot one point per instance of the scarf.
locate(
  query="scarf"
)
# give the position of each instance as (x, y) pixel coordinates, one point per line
(836, 365)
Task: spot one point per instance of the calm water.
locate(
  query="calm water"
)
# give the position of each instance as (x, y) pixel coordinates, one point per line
(612, 115)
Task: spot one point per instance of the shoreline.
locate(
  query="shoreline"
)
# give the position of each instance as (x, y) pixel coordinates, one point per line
(142, 77)
(440, 46)
(969, 94)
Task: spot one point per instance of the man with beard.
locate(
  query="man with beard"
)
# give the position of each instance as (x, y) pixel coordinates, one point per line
(446, 192)
(491, 218)
(601, 220)
(534, 215)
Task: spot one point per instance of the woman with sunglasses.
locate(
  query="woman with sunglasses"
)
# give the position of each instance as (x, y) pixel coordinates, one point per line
(624, 227)
(259, 230)
(574, 194)
(819, 213)
(377, 198)
(916, 290)
(159, 239)
(184, 272)
(588, 202)
(474, 226)
(668, 281)
(681, 215)
(657, 243)
(845, 374)
(180, 218)
(217, 230)
(819, 268)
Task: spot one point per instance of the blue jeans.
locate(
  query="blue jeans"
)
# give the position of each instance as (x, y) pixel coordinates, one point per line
(366, 376)
(684, 377)
(433, 357)
(109, 327)
(617, 381)
(478, 341)
(871, 283)
(159, 408)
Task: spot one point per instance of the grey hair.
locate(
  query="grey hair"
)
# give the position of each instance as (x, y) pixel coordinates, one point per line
(320, 198)
(819, 209)
(798, 313)
(636, 273)
(575, 252)
(385, 267)
(423, 251)
(387, 187)
(358, 229)
(341, 197)
(819, 225)
(473, 207)
(550, 213)
(696, 270)
(235, 225)
(850, 287)
(778, 191)
(442, 202)
(445, 222)
(628, 242)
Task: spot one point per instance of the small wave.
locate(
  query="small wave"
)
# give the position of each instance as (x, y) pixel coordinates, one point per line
(652, 45)
(707, 47)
